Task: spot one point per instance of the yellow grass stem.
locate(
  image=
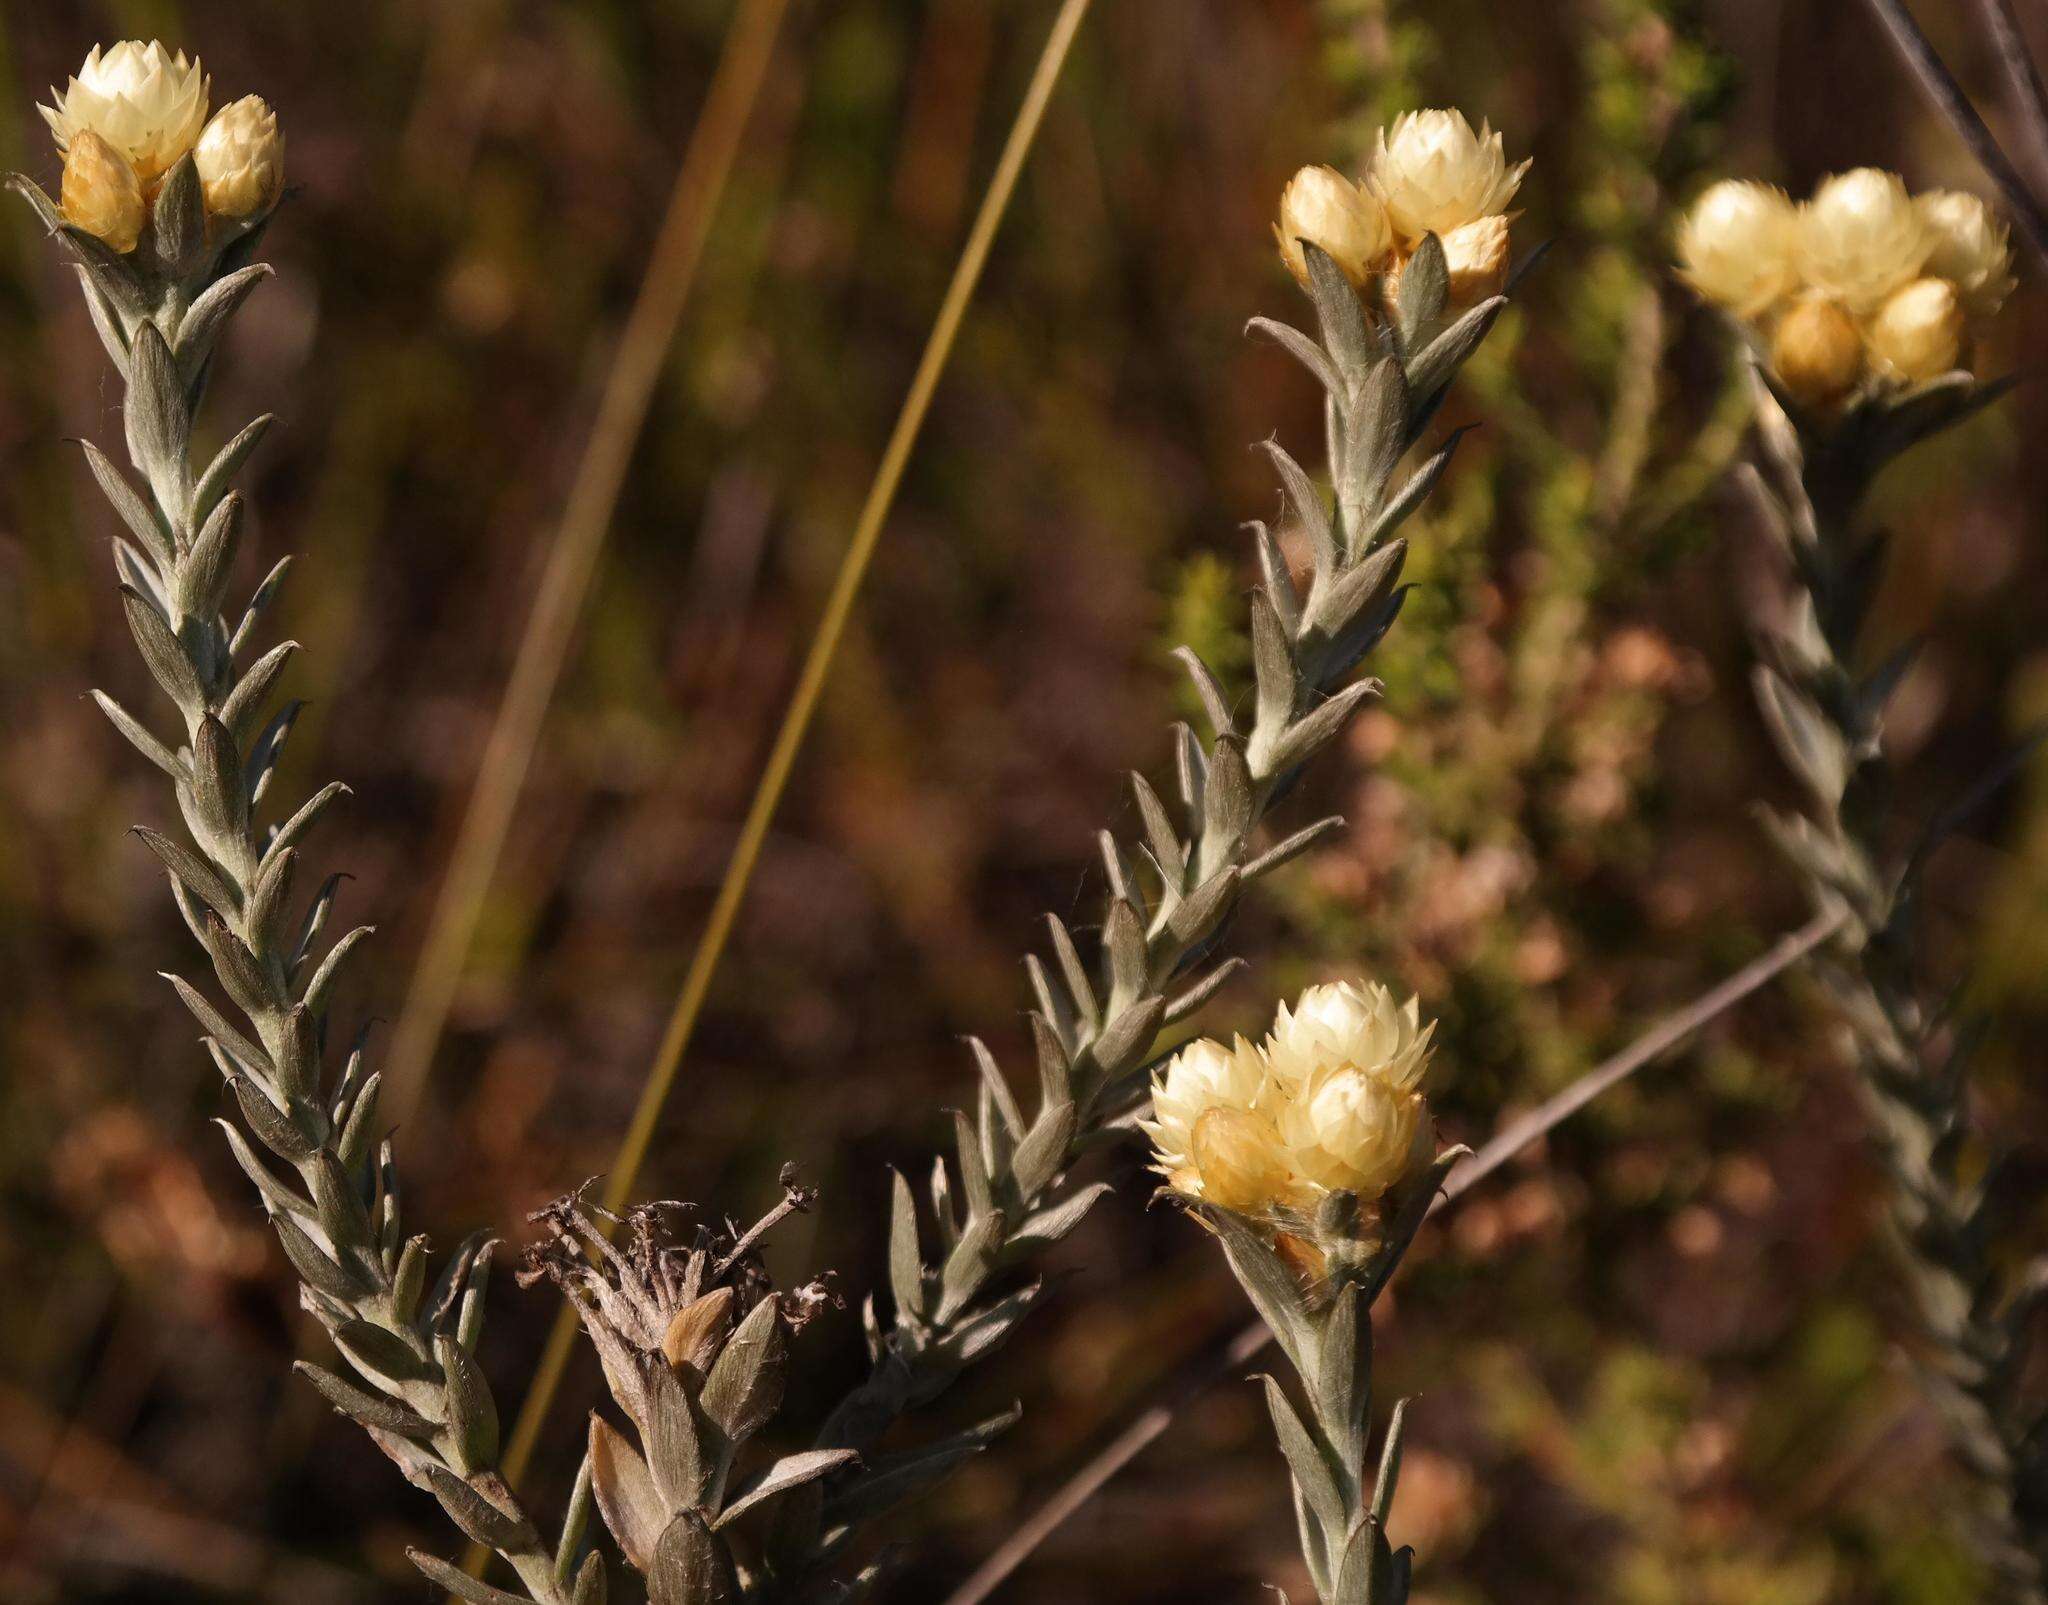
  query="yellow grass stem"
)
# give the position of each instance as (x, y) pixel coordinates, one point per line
(586, 518)
(625, 1170)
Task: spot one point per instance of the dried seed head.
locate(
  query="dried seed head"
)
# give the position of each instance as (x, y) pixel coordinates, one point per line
(1972, 249)
(1917, 335)
(1861, 237)
(240, 158)
(101, 193)
(1435, 174)
(1345, 220)
(145, 101)
(1738, 246)
(1816, 350)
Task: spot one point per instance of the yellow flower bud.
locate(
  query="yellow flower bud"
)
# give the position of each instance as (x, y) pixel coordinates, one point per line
(145, 101)
(1816, 350)
(240, 158)
(1738, 246)
(1476, 259)
(1972, 249)
(1918, 334)
(1240, 1160)
(1204, 1075)
(1355, 1129)
(1343, 219)
(1861, 237)
(101, 193)
(1435, 174)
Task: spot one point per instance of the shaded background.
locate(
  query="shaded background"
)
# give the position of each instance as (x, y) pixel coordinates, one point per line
(1659, 1362)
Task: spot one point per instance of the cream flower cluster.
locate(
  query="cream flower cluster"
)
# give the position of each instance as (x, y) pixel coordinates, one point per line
(132, 113)
(1863, 281)
(1329, 1101)
(1429, 174)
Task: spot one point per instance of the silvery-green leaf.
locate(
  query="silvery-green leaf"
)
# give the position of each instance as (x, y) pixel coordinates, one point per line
(1125, 1039)
(906, 1268)
(791, 1471)
(270, 901)
(138, 737)
(227, 462)
(974, 1184)
(969, 1264)
(1186, 1003)
(1305, 502)
(1807, 740)
(264, 594)
(269, 747)
(217, 1026)
(209, 314)
(998, 1085)
(1267, 1282)
(106, 319)
(387, 1415)
(632, 1508)
(1214, 703)
(745, 1386)
(1123, 880)
(690, 1566)
(459, 1583)
(1273, 666)
(888, 1480)
(161, 651)
(1343, 1378)
(591, 1584)
(158, 424)
(1368, 581)
(1228, 803)
(472, 1412)
(1306, 1459)
(1198, 914)
(1424, 291)
(382, 1355)
(1414, 490)
(479, 1518)
(314, 922)
(1079, 991)
(276, 1195)
(1167, 848)
(142, 519)
(1123, 948)
(1315, 729)
(1364, 1576)
(1043, 1149)
(1373, 444)
(1346, 334)
(1191, 769)
(1390, 1463)
(273, 1127)
(178, 220)
(298, 1058)
(340, 1206)
(296, 827)
(359, 1130)
(983, 1332)
(316, 1267)
(575, 1519)
(1041, 1229)
(1055, 1068)
(1292, 847)
(203, 576)
(317, 989)
(469, 1320)
(217, 780)
(1433, 367)
(1304, 350)
(239, 973)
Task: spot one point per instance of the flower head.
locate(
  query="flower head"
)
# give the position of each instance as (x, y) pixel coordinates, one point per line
(1344, 219)
(1348, 1024)
(101, 194)
(1861, 237)
(1476, 260)
(1352, 1127)
(1972, 249)
(1435, 174)
(1204, 1075)
(1738, 246)
(240, 158)
(1817, 350)
(1917, 334)
(146, 102)
(1240, 1161)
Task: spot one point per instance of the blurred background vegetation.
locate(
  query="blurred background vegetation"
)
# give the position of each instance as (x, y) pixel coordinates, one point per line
(1660, 1361)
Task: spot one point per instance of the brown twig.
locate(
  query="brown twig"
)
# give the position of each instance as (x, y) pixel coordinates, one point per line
(1939, 85)
(1219, 1361)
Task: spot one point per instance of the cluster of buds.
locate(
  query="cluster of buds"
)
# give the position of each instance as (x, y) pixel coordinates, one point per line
(127, 120)
(1329, 1102)
(1864, 286)
(1429, 174)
